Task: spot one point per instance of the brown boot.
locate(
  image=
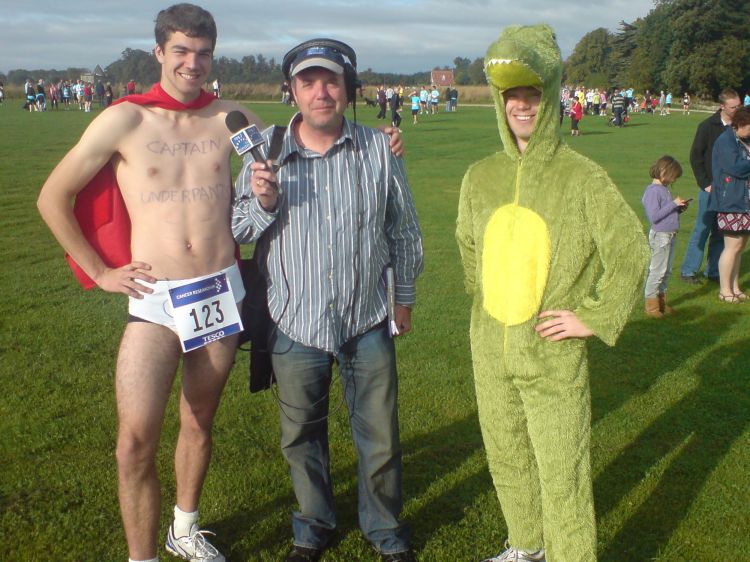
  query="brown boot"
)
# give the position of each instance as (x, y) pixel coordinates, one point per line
(652, 308)
(663, 306)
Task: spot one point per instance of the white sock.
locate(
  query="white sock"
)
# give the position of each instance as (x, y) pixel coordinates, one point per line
(149, 560)
(183, 522)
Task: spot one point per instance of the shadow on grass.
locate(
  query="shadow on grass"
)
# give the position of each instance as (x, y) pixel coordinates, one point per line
(710, 287)
(698, 291)
(645, 351)
(697, 432)
(436, 455)
(428, 457)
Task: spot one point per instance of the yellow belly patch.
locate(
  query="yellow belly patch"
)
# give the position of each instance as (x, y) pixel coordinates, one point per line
(515, 264)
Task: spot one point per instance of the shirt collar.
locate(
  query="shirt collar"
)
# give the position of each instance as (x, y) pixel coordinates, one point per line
(291, 145)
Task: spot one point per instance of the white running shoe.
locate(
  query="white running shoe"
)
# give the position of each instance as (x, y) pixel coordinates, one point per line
(514, 555)
(193, 547)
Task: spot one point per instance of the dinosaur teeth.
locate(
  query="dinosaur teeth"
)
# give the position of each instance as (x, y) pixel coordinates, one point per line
(498, 61)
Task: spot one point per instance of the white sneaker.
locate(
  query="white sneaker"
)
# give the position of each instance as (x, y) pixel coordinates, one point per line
(193, 547)
(514, 555)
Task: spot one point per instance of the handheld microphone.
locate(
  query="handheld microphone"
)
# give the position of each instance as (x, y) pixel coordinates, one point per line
(244, 138)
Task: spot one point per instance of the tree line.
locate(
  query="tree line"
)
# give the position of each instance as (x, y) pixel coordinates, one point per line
(141, 66)
(696, 46)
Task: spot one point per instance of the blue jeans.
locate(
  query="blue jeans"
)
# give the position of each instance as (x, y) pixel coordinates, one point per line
(705, 227)
(662, 253)
(367, 366)
(618, 116)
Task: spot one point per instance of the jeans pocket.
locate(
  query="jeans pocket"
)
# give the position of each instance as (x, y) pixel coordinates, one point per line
(660, 240)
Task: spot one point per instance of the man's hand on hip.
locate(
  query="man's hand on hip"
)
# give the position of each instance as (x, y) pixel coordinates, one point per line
(123, 279)
(562, 324)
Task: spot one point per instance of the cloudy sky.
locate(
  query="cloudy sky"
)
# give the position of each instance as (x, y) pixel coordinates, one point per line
(388, 35)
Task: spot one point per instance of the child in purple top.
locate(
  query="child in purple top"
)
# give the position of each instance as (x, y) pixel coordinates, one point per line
(663, 213)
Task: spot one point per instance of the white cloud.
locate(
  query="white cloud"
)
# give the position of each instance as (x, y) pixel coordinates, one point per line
(388, 35)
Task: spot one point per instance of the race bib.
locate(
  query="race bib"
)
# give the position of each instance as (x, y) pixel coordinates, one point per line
(204, 311)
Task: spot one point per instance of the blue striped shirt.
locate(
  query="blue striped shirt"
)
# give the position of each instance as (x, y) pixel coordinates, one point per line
(341, 218)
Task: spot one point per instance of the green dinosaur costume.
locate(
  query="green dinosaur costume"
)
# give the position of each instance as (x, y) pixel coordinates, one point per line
(543, 229)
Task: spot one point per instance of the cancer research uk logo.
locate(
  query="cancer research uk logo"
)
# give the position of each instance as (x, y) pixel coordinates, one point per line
(199, 290)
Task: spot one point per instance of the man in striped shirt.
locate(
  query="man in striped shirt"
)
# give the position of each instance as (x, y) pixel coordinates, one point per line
(618, 107)
(345, 214)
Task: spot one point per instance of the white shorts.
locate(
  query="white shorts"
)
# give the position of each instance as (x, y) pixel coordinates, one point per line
(156, 307)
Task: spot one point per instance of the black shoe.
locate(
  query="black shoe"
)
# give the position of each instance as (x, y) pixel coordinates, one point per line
(403, 556)
(304, 554)
(692, 279)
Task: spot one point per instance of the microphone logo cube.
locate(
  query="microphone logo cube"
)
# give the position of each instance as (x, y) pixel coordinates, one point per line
(246, 139)
(241, 142)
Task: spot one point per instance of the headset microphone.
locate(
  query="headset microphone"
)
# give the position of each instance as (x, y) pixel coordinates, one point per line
(245, 137)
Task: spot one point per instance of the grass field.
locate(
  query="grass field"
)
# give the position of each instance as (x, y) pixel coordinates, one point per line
(671, 442)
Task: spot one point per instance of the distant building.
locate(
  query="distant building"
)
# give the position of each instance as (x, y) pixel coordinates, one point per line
(94, 76)
(442, 77)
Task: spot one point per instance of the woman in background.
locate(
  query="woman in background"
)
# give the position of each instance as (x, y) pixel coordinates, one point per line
(729, 197)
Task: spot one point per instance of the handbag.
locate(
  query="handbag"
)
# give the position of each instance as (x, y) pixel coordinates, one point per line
(256, 318)
(257, 323)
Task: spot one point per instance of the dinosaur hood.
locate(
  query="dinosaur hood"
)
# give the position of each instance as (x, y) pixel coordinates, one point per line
(527, 56)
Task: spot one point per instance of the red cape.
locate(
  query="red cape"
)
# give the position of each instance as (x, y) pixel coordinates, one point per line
(99, 207)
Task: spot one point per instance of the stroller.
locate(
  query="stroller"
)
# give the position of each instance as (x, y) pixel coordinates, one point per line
(613, 120)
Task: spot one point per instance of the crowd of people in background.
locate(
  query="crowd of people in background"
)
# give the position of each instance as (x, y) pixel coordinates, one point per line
(423, 101)
(720, 161)
(64, 94)
(617, 104)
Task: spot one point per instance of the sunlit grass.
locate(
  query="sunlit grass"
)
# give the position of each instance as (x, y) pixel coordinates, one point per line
(670, 402)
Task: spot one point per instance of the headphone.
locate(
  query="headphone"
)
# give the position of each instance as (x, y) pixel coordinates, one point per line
(351, 82)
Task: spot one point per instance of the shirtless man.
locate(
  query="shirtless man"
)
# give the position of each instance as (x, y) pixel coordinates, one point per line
(173, 169)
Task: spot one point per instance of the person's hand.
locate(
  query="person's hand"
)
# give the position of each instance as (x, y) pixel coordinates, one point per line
(397, 143)
(707, 189)
(680, 202)
(123, 279)
(403, 319)
(265, 185)
(562, 324)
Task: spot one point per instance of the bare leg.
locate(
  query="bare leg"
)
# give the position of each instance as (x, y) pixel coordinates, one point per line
(146, 366)
(205, 373)
(729, 263)
(737, 262)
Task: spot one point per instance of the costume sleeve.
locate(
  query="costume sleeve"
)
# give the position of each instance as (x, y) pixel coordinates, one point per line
(465, 235)
(623, 253)
(403, 234)
(249, 219)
